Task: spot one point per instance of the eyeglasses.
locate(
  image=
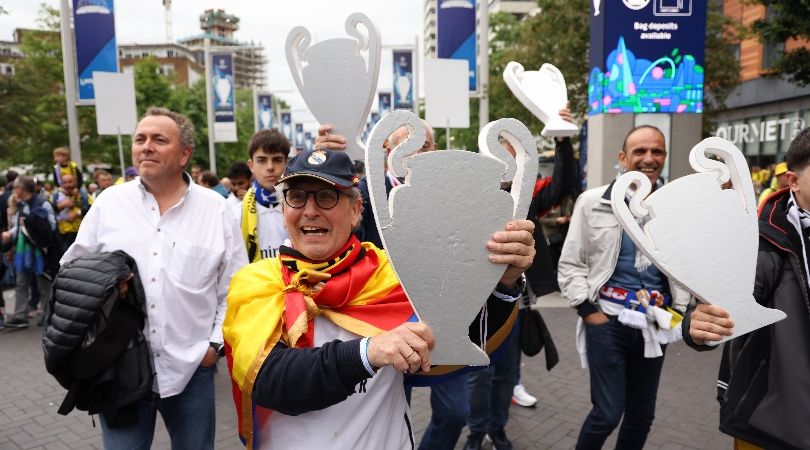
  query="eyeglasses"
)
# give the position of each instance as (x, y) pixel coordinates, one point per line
(325, 198)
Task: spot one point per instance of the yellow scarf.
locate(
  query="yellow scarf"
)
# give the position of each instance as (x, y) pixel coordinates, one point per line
(250, 224)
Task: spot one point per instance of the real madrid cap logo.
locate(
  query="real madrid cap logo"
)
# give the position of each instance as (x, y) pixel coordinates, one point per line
(317, 158)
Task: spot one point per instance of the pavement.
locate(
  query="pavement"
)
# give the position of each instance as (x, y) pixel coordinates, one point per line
(686, 413)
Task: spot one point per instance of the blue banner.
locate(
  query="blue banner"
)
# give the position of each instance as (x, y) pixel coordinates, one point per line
(646, 56)
(299, 137)
(96, 50)
(403, 79)
(309, 141)
(286, 125)
(223, 94)
(384, 103)
(264, 112)
(455, 36)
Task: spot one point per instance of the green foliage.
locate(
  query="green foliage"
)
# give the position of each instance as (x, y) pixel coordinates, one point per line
(151, 88)
(787, 19)
(721, 66)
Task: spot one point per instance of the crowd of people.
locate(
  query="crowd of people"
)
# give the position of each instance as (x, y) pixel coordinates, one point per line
(279, 268)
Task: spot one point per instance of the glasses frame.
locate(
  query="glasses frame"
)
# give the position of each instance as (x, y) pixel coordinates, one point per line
(314, 195)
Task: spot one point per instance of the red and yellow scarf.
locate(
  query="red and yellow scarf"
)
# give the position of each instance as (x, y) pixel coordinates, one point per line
(277, 299)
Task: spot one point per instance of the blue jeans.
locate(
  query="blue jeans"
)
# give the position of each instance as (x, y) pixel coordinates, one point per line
(449, 409)
(623, 382)
(491, 389)
(189, 418)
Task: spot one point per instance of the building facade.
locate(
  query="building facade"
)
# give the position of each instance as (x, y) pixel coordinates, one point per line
(764, 112)
(218, 28)
(176, 61)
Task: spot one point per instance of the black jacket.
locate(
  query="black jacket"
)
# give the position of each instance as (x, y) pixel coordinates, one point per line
(767, 372)
(93, 340)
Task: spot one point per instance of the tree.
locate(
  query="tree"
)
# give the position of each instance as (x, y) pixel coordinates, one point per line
(151, 88)
(722, 68)
(786, 20)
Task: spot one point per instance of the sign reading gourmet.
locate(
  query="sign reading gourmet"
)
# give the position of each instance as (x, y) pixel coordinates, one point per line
(647, 56)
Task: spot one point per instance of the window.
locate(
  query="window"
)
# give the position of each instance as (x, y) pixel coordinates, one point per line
(771, 51)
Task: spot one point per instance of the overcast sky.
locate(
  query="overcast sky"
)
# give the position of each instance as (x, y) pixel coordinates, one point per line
(267, 22)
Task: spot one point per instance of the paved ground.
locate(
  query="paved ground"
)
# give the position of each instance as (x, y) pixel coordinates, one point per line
(686, 416)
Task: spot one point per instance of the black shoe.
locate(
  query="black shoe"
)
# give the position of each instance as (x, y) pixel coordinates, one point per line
(17, 323)
(474, 441)
(500, 441)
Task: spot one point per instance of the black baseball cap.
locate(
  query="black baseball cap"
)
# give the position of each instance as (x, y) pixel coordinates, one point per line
(333, 167)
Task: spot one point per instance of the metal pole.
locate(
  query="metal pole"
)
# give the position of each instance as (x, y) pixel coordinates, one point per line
(483, 63)
(209, 102)
(69, 70)
(447, 135)
(416, 75)
(121, 153)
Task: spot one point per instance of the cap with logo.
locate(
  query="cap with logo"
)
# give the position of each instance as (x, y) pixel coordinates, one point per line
(333, 167)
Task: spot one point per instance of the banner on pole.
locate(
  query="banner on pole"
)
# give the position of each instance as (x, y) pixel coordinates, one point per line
(286, 125)
(646, 56)
(455, 34)
(264, 111)
(384, 103)
(403, 89)
(96, 49)
(299, 137)
(223, 95)
(309, 141)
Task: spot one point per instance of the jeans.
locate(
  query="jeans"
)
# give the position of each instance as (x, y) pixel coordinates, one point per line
(189, 418)
(623, 382)
(449, 409)
(22, 292)
(491, 389)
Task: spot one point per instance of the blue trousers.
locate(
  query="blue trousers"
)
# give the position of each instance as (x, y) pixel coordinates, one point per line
(491, 389)
(623, 382)
(449, 409)
(189, 418)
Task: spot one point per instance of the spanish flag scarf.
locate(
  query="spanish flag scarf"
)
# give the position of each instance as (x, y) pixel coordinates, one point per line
(277, 299)
(250, 217)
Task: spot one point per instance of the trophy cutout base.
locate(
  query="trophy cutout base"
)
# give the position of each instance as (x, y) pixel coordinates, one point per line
(559, 128)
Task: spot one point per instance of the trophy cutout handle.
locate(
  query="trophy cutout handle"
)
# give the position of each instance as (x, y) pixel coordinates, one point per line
(627, 213)
(375, 160)
(297, 43)
(369, 42)
(520, 170)
(733, 167)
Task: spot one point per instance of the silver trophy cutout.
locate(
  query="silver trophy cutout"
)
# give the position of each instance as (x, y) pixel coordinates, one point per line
(436, 224)
(543, 93)
(338, 77)
(699, 234)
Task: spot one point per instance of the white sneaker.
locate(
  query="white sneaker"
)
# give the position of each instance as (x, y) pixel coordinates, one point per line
(522, 398)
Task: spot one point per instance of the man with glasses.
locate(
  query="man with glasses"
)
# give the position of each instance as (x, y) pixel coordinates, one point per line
(318, 339)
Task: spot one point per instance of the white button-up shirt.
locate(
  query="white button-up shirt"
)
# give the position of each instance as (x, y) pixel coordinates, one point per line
(185, 259)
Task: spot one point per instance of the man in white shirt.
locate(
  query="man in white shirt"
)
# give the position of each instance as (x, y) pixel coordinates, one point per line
(259, 213)
(186, 244)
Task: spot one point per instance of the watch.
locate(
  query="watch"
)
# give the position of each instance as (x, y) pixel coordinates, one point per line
(218, 348)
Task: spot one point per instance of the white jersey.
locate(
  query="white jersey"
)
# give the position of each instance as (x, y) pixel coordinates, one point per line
(375, 417)
(272, 233)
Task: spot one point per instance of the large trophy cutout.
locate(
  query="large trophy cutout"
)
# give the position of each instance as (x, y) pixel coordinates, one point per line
(436, 224)
(338, 77)
(543, 93)
(699, 234)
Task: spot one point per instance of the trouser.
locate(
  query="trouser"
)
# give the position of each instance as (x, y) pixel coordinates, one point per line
(623, 382)
(491, 389)
(189, 417)
(448, 414)
(22, 292)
